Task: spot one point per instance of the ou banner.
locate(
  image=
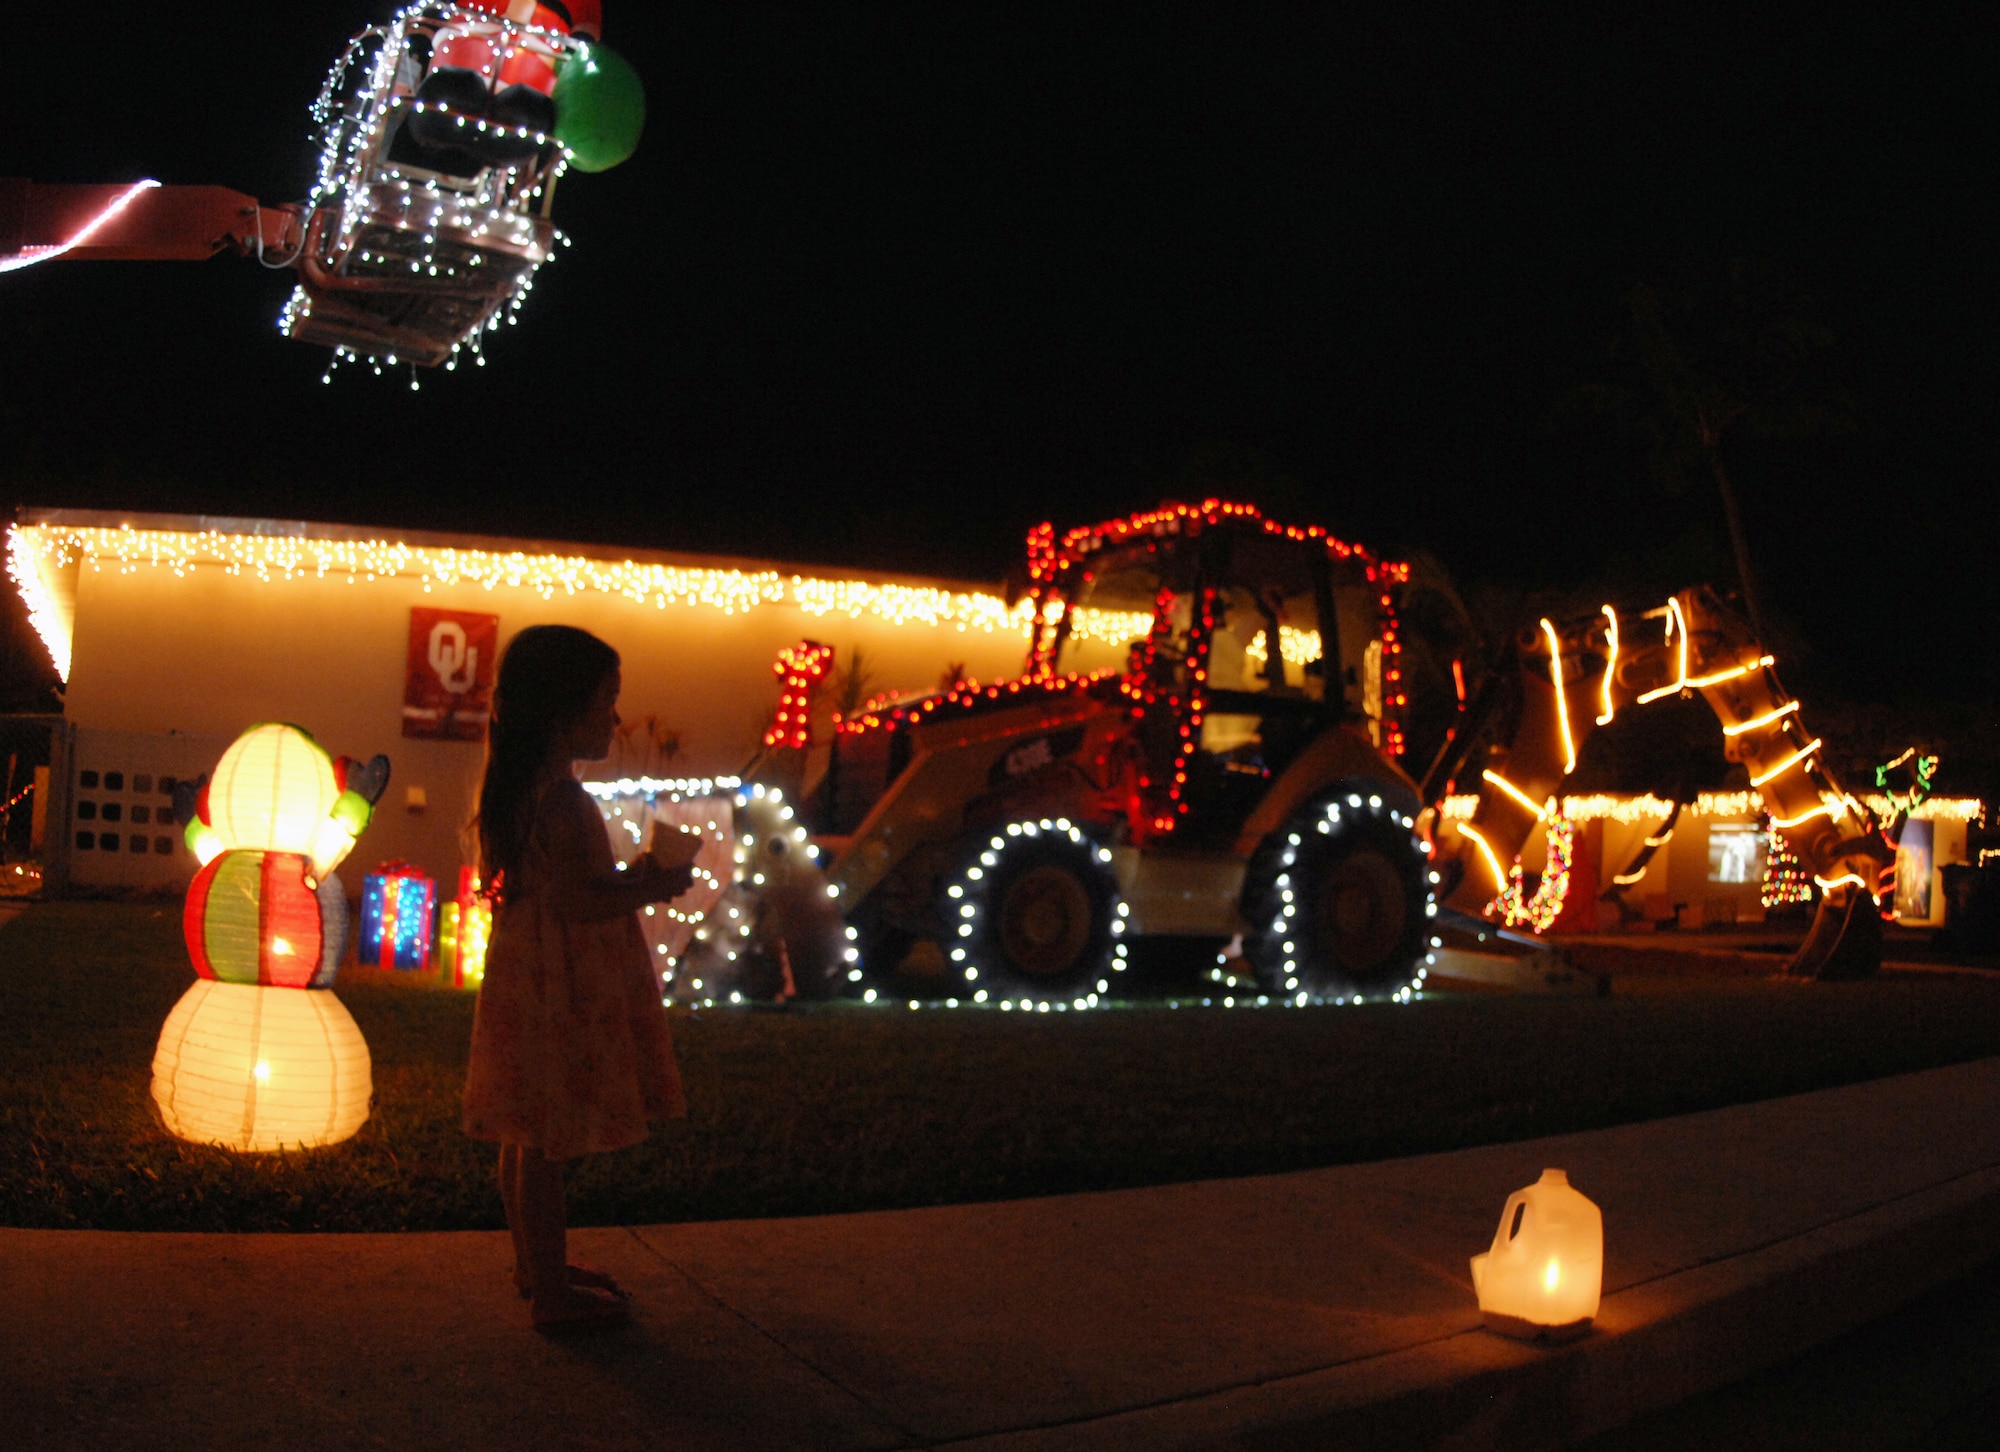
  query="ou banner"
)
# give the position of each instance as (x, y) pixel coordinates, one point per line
(448, 683)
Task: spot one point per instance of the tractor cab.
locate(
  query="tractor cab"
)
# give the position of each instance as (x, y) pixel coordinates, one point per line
(1238, 647)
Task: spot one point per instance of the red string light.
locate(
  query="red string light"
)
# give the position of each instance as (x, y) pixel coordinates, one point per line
(801, 668)
(1047, 562)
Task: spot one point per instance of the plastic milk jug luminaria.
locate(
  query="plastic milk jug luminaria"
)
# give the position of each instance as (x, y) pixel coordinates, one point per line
(259, 1054)
(1545, 1272)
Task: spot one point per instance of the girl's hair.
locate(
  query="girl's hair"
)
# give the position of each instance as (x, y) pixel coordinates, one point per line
(548, 675)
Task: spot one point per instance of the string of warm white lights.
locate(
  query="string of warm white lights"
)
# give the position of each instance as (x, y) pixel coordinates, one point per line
(673, 788)
(24, 568)
(1297, 647)
(35, 551)
(1337, 816)
(1605, 807)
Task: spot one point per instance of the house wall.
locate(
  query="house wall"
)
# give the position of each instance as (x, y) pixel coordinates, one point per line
(1679, 870)
(207, 652)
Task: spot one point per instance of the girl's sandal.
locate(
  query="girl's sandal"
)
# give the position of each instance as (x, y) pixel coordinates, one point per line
(597, 1280)
(579, 1275)
(594, 1309)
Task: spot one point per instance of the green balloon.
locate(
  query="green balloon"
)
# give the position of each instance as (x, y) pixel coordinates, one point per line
(600, 108)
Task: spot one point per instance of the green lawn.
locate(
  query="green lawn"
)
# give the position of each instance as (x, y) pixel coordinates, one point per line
(849, 1108)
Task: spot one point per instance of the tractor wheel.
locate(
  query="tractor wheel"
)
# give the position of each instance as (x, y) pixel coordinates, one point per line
(1033, 913)
(1339, 901)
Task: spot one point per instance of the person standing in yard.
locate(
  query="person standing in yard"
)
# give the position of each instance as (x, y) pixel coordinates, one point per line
(571, 1052)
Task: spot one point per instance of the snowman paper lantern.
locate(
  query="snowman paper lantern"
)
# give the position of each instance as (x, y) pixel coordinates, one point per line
(259, 1054)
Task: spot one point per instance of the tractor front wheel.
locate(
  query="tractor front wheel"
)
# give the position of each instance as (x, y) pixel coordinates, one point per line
(1033, 913)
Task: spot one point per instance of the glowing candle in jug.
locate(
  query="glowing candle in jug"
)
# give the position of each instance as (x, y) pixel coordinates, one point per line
(1545, 1272)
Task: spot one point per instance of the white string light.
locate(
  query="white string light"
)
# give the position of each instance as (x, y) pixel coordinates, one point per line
(375, 224)
(963, 899)
(1336, 817)
(34, 549)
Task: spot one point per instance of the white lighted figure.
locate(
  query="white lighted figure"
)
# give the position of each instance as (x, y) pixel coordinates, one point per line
(259, 1054)
(1545, 1272)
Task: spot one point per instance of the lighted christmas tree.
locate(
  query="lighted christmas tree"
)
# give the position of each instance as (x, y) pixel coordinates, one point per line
(1786, 879)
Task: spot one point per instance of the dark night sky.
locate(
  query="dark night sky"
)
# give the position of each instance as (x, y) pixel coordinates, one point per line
(884, 287)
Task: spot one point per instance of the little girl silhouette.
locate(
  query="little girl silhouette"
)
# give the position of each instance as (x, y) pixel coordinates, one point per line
(571, 1052)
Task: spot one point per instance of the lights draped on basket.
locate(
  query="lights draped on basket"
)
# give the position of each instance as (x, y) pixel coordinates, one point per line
(1545, 1272)
(259, 1055)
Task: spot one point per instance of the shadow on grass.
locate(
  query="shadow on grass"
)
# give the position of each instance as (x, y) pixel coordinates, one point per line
(850, 1109)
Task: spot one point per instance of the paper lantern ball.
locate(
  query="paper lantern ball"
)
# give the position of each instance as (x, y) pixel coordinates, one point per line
(1545, 1271)
(261, 1069)
(252, 917)
(272, 789)
(600, 109)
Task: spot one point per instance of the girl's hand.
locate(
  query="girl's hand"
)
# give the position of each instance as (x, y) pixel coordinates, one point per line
(657, 883)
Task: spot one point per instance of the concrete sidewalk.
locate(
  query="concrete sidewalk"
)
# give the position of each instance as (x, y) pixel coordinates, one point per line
(1331, 1307)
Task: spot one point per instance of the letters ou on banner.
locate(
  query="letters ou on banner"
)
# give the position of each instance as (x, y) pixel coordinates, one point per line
(448, 680)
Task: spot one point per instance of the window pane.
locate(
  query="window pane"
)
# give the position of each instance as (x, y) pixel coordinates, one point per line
(1111, 611)
(1267, 627)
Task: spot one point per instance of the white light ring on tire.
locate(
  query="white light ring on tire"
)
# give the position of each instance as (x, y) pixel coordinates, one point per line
(960, 893)
(1332, 820)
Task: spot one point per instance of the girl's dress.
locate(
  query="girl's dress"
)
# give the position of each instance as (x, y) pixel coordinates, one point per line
(571, 1053)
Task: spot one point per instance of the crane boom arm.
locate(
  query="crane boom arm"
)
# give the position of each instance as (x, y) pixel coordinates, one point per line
(137, 221)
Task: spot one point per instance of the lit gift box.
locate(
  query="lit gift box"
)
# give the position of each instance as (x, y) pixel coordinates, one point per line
(464, 926)
(1543, 1276)
(396, 907)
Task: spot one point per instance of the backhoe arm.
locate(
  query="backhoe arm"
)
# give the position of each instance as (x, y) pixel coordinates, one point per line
(1581, 674)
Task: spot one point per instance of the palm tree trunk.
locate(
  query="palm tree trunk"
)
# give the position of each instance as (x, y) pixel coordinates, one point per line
(1741, 546)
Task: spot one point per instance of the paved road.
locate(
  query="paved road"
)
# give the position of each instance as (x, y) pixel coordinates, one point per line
(1927, 1377)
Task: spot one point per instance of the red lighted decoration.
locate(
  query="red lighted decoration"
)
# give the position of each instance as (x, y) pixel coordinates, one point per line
(800, 668)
